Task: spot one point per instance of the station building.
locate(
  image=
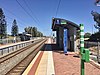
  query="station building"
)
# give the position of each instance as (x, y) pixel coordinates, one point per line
(59, 25)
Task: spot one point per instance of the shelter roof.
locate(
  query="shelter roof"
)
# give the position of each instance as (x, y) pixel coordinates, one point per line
(58, 22)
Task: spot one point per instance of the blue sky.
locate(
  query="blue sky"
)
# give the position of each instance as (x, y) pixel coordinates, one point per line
(77, 11)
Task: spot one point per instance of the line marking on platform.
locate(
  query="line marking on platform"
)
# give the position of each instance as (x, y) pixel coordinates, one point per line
(43, 63)
(50, 66)
(26, 72)
(46, 65)
(42, 67)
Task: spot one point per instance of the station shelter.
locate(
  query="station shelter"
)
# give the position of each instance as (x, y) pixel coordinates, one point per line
(59, 25)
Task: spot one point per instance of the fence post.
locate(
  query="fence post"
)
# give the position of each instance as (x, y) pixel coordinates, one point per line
(2, 52)
(8, 49)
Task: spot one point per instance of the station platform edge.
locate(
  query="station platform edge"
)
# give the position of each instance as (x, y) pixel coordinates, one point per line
(43, 63)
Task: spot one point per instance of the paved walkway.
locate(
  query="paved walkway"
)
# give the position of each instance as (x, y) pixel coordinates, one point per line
(70, 64)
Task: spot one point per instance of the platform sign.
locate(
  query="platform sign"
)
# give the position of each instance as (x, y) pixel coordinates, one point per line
(65, 41)
(63, 22)
(59, 21)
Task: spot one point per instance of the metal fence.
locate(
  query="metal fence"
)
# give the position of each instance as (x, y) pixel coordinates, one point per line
(90, 44)
(95, 53)
(5, 41)
(14, 47)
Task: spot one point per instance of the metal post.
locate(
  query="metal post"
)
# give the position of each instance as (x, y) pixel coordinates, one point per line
(82, 47)
(14, 39)
(2, 52)
(8, 49)
(16, 47)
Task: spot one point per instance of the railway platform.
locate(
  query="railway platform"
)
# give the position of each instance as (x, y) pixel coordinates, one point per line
(52, 61)
(43, 63)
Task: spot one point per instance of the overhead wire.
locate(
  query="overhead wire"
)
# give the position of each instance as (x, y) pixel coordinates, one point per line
(11, 22)
(58, 8)
(31, 10)
(13, 19)
(22, 24)
(35, 17)
(26, 11)
(15, 16)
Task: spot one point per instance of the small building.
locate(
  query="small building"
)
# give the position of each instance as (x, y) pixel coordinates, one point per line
(59, 25)
(25, 37)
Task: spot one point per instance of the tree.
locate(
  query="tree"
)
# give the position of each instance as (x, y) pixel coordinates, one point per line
(97, 2)
(40, 34)
(87, 35)
(96, 17)
(33, 31)
(95, 37)
(14, 30)
(29, 30)
(3, 24)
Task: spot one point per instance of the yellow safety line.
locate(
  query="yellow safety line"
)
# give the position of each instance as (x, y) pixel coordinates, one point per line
(31, 64)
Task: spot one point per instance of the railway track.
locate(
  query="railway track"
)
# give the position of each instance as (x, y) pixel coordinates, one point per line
(6, 57)
(22, 65)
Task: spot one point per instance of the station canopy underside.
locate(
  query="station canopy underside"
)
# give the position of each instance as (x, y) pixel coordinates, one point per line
(58, 22)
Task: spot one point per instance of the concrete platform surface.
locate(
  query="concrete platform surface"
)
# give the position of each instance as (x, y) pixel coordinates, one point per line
(43, 63)
(53, 61)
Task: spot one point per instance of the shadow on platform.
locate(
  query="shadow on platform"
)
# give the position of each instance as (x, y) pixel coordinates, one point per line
(54, 48)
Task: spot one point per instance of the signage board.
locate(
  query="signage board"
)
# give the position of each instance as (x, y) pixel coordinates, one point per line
(60, 21)
(65, 41)
(63, 22)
